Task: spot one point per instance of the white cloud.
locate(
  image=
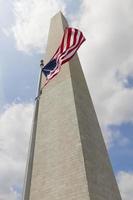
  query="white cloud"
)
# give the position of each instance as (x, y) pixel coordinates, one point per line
(32, 22)
(107, 58)
(15, 125)
(125, 182)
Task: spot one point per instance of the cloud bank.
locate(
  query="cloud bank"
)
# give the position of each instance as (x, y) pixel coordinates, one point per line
(32, 22)
(125, 181)
(15, 126)
(107, 59)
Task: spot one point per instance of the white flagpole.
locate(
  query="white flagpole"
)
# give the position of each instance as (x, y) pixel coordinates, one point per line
(28, 171)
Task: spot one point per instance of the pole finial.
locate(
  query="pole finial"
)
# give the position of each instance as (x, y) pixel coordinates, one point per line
(41, 63)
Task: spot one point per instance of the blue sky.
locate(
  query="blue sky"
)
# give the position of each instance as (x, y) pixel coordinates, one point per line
(122, 151)
(106, 58)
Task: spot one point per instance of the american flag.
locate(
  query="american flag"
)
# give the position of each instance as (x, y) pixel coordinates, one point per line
(71, 41)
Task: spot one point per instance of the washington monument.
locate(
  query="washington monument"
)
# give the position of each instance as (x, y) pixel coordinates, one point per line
(68, 159)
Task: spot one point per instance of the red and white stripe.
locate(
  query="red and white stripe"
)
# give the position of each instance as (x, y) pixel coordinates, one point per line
(71, 41)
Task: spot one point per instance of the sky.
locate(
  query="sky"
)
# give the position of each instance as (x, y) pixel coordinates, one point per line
(107, 62)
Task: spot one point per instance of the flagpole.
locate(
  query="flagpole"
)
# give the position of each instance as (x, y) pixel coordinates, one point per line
(28, 171)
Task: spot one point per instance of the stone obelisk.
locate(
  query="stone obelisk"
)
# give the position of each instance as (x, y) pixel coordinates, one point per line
(68, 159)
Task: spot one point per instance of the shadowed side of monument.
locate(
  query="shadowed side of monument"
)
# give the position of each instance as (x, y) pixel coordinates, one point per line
(100, 177)
(70, 160)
